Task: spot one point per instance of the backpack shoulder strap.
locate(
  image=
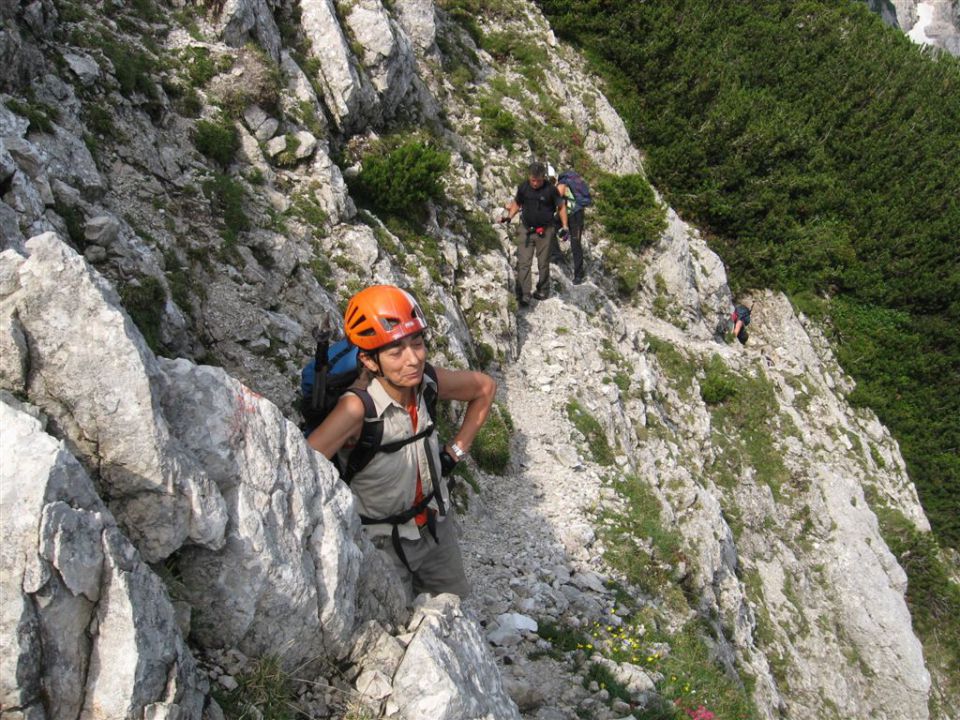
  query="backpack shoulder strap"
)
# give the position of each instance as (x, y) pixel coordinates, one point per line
(371, 436)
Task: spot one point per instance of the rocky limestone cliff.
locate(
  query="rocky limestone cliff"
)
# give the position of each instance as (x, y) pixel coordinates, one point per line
(935, 22)
(128, 270)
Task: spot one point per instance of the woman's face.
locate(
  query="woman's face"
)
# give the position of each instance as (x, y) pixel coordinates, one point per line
(401, 363)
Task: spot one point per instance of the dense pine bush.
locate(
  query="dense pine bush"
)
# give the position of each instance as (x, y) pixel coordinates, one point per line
(629, 211)
(218, 140)
(402, 180)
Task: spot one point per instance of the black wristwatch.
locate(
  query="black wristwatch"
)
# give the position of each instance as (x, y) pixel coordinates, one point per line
(447, 462)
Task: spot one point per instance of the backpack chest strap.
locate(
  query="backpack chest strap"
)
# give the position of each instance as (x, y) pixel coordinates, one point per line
(371, 442)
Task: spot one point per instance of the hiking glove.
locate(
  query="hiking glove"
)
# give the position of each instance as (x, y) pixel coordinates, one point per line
(447, 463)
(562, 233)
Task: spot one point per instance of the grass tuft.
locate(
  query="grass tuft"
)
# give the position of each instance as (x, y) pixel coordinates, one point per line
(491, 448)
(592, 431)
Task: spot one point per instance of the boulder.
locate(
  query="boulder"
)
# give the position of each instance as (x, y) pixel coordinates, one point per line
(83, 66)
(285, 581)
(86, 628)
(448, 672)
(102, 230)
(109, 417)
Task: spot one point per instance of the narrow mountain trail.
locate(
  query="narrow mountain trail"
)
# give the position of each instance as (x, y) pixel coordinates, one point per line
(528, 538)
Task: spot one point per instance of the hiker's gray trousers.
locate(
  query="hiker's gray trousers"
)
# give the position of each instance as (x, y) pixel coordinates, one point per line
(528, 244)
(437, 566)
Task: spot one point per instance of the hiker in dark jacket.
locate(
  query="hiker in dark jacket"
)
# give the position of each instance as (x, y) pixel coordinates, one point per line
(403, 504)
(739, 319)
(537, 201)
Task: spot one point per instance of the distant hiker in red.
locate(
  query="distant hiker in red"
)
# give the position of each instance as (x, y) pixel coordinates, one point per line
(404, 505)
(537, 201)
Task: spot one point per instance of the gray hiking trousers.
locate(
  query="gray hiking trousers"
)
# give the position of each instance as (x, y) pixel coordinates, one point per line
(528, 244)
(437, 565)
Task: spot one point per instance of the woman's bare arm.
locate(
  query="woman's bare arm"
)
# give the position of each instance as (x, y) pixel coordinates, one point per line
(344, 422)
(474, 388)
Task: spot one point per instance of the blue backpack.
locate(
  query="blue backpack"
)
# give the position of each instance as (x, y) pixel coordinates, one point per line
(332, 372)
(578, 186)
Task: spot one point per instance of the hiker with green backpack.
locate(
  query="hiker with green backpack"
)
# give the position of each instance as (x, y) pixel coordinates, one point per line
(383, 436)
(576, 196)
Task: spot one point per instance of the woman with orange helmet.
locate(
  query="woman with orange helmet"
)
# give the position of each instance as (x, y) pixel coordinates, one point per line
(403, 504)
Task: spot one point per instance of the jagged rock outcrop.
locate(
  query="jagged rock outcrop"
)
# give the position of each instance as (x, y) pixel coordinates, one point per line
(241, 20)
(188, 456)
(87, 367)
(285, 582)
(418, 20)
(442, 667)
(930, 22)
(347, 95)
(890, 11)
(281, 576)
(86, 628)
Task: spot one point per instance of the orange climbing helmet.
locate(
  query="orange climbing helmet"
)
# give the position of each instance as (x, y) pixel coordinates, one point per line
(380, 315)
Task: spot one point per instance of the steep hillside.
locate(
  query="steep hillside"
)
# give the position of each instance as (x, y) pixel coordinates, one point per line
(819, 149)
(656, 523)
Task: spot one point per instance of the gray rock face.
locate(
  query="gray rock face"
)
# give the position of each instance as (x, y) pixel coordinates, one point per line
(285, 581)
(71, 162)
(418, 20)
(86, 629)
(369, 87)
(21, 59)
(387, 53)
(929, 22)
(109, 415)
(943, 30)
(692, 274)
(893, 12)
(241, 20)
(347, 97)
(447, 671)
